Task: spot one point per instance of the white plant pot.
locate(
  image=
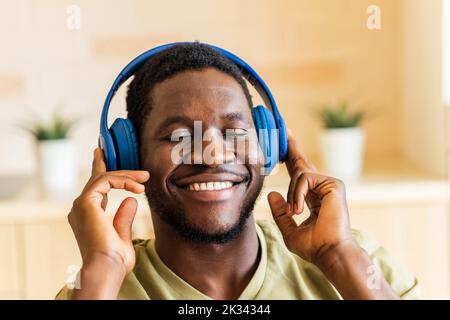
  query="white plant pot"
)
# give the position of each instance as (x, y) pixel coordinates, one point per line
(342, 152)
(57, 165)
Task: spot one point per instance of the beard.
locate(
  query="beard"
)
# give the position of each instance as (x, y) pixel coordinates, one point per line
(175, 217)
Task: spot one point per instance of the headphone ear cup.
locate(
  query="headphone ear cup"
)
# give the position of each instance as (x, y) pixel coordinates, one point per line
(126, 144)
(267, 136)
(283, 139)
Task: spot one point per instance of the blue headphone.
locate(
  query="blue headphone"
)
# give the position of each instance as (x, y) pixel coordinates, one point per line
(120, 143)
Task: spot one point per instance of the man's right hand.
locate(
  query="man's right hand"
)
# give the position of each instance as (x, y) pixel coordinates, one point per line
(106, 248)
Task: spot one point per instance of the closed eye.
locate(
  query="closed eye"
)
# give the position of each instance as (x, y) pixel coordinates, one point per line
(236, 132)
(180, 134)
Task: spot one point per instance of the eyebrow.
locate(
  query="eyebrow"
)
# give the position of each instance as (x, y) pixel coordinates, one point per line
(231, 116)
(174, 120)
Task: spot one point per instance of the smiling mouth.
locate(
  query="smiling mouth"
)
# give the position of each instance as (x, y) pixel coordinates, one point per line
(210, 183)
(211, 190)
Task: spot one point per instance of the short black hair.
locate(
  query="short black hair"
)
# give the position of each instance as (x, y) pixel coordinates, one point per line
(167, 63)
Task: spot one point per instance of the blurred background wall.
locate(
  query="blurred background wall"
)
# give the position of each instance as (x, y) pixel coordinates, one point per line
(310, 52)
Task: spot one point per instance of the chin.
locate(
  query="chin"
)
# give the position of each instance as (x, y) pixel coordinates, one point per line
(213, 219)
(205, 208)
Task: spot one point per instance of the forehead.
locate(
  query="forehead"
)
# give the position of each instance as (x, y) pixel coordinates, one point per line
(205, 95)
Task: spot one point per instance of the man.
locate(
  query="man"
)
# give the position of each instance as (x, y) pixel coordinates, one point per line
(207, 244)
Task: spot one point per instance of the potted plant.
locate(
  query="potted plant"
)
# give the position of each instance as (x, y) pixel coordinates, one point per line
(56, 153)
(342, 141)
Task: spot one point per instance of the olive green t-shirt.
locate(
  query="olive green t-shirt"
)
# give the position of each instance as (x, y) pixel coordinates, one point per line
(280, 274)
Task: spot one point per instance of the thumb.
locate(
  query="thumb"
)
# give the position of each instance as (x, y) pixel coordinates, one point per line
(283, 219)
(124, 217)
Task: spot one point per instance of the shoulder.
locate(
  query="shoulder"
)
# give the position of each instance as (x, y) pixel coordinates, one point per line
(270, 229)
(140, 247)
(401, 280)
(131, 287)
(274, 240)
(64, 294)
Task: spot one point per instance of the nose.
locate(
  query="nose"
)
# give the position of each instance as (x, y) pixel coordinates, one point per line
(214, 150)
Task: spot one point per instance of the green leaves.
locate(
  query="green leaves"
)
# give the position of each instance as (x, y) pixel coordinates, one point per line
(58, 128)
(340, 117)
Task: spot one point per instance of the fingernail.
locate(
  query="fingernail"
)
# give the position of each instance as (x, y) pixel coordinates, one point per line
(288, 208)
(297, 207)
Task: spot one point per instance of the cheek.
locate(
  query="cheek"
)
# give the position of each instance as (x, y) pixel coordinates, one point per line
(250, 152)
(158, 162)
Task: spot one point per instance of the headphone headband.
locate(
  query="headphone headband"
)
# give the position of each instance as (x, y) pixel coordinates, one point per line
(248, 72)
(120, 143)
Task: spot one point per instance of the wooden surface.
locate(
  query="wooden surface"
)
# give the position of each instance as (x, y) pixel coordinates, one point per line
(404, 209)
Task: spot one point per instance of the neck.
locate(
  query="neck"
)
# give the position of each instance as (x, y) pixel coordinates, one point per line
(220, 271)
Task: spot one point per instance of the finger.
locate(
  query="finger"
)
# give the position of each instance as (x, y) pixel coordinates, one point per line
(140, 176)
(98, 164)
(291, 192)
(284, 221)
(107, 182)
(312, 188)
(289, 195)
(99, 167)
(123, 220)
(297, 159)
(294, 148)
(104, 201)
(301, 190)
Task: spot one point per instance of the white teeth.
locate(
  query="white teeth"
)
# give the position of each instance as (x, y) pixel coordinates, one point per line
(207, 186)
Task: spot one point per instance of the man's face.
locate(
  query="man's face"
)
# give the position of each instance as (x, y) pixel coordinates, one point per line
(176, 190)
